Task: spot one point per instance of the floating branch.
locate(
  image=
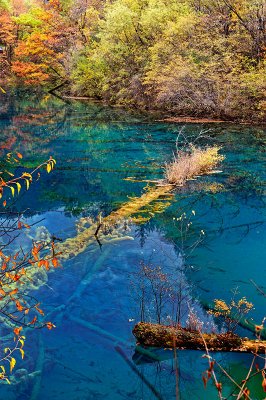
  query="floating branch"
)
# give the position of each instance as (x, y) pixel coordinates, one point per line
(156, 335)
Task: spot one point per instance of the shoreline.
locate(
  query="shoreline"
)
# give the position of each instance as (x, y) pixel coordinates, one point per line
(162, 115)
(187, 119)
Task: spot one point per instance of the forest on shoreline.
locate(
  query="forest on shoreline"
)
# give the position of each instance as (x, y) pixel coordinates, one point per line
(199, 58)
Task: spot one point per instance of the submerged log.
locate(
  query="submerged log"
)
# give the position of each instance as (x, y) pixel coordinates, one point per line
(156, 335)
(73, 246)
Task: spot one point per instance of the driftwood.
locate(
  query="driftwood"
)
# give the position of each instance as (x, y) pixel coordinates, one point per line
(156, 335)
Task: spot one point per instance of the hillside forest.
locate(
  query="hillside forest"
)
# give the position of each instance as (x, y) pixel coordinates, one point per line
(204, 58)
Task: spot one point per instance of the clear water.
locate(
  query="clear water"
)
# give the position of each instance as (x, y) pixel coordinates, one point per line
(97, 148)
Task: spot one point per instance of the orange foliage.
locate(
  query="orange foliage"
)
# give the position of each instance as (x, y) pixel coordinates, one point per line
(7, 29)
(39, 54)
(16, 304)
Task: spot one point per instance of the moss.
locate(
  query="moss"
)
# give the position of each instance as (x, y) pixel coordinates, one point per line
(155, 335)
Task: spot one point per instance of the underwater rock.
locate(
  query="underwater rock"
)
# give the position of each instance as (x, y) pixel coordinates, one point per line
(41, 235)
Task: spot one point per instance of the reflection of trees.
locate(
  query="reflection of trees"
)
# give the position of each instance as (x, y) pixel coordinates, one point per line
(36, 125)
(24, 119)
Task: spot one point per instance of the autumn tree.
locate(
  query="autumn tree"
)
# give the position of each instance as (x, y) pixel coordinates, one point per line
(7, 36)
(204, 58)
(43, 37)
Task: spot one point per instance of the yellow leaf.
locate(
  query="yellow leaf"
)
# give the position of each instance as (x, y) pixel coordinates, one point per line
(48, 168)
(9, 173)
(2, 90)
(52, 159)
(12, 190)
(12, 363)
(6, 350)
(18, 186)
(26, 175)
(22, 353)
(3, 369)
(27, 184)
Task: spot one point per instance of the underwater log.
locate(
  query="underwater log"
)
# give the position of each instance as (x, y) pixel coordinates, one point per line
(157, 335)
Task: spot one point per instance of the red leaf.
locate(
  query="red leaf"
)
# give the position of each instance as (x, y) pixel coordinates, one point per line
(17, 331)
(50, 325)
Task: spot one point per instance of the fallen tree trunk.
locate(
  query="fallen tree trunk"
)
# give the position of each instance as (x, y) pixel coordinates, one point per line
(73, 246)
(156, 335)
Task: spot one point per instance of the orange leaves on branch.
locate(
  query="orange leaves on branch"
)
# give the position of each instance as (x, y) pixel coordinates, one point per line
(219, 387)
(207, 375)
(13, 292)
(17, 331)
(38, 309)
(50, 325)
(205, 381)
(246, 393)
(19, 306)
(34, 320)
(14, 266)
(263, 381)
(44, 263)
(55, 262)
(35, 251)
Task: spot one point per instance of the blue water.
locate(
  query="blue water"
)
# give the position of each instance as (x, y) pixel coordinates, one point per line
(90, 354)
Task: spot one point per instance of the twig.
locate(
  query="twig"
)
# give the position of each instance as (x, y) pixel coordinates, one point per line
(258, 288)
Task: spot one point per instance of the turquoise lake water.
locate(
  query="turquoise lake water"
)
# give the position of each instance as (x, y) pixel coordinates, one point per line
(105, 156)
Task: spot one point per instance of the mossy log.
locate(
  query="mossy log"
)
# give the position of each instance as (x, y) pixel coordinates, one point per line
(73, 246)
(156, 335)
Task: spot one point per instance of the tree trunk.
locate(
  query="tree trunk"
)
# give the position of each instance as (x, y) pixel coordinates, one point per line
(156, 335)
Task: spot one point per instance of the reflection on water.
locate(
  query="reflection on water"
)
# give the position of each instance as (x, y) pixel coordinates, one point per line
(90, 355)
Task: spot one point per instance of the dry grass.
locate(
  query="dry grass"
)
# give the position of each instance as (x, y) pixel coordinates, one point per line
(192, 163)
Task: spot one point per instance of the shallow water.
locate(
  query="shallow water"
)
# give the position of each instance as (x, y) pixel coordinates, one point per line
(104, 155)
